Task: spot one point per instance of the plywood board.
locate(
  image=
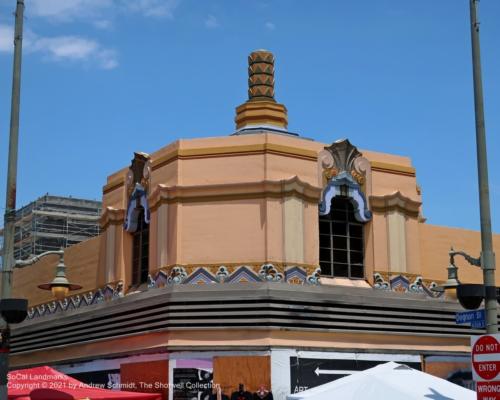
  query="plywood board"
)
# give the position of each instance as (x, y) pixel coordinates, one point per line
(252, 371)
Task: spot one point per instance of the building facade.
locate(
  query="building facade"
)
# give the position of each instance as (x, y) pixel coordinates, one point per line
(261, 258)
(54, 222)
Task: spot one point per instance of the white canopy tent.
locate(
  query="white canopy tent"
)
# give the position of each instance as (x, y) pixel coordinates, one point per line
(389, 381)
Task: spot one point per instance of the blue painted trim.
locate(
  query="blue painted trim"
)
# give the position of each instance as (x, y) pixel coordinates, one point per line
(138, 198)
(200, 273)
(241, 273)
(357, 197)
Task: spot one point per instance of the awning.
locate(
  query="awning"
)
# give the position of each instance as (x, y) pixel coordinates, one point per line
(389, 381)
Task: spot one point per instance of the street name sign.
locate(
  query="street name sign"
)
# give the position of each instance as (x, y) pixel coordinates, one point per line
(485, 353)
(476, 318)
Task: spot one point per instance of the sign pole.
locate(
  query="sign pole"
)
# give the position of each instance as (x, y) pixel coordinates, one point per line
(487, 254)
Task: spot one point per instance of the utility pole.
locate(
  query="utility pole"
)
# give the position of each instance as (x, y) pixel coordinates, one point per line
(487, 255)
(10, 195)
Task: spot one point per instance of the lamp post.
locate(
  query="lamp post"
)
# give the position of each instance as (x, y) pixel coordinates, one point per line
(15, 310)
(469, 295)
(487, 257)
(452, 282)
(10, 195)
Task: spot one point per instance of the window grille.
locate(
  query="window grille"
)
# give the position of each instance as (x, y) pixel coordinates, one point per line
(341, 248)
(140, 251)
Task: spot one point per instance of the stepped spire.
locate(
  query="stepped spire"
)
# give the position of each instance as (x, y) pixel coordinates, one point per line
(261, 109)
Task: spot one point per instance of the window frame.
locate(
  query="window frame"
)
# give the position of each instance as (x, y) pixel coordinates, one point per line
(341, 256)
(140, 250)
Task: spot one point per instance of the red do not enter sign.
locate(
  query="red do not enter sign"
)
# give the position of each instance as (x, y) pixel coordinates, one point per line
(486, 357)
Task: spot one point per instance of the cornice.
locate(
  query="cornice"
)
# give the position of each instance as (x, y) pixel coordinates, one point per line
(112, 216)
(235, 191)
(246, 150)
(395, 202)
(231, 151)
(392, 168)
(114, 184)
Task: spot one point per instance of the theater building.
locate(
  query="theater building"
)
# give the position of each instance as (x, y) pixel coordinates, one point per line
(262, 257)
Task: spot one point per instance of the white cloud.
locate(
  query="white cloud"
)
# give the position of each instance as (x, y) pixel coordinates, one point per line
(107, 59)
(103, 24)
(270, 26)
(98, 10)
(211, 22)
(100, 13)
(6, 38)
(74, 48)
(65, 47)
(61, 48)
(152, 8)
(67, 10)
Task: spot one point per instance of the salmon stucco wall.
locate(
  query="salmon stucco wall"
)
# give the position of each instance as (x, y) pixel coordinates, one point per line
(227, 231)
(435, 243)
(209, 216)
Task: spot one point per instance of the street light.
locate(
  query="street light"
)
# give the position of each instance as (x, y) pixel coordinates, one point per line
(450, 286)
(470, 295)
(14, 311)
(59, 286)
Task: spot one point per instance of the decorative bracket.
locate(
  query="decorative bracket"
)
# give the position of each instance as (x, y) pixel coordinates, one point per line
(471, 260)
(137, 184)
(138, 198)
(344, 185)
(345, 169)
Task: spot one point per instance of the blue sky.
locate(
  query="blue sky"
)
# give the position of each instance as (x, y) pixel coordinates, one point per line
(133, 75)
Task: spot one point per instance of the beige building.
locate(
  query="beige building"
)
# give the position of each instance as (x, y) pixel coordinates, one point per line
(257, 258)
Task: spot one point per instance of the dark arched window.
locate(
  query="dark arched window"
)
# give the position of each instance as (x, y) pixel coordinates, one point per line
(341, 249)
(140, 250)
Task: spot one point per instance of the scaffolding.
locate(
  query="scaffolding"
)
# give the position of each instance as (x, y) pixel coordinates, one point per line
(52, 223)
